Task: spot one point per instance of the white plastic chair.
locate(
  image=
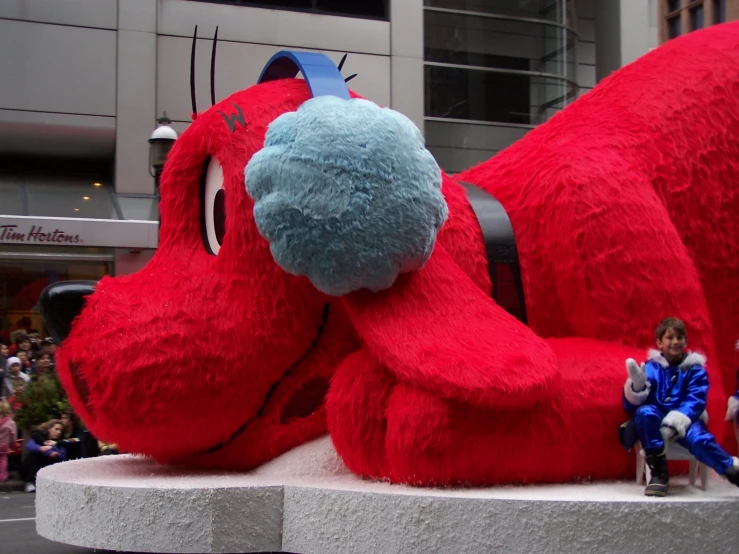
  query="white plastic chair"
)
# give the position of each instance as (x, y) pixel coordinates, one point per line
(674, 452)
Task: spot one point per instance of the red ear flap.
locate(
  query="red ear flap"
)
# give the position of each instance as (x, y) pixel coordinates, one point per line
(436, 329)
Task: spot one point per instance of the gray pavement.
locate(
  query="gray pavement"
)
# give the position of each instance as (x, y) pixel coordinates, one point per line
(18, 528)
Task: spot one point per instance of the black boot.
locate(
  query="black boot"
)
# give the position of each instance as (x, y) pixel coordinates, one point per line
(660, 477)
(732, 474)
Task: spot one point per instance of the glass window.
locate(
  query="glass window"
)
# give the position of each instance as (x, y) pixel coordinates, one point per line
(482, 41)
(496, 70)
(696, 18)
(548, 97)
(459, 93)
(139, 208)
(275, 4)
(460, 145)
(532, 9)
(673, 5)
(673, 27)
(360, 8)
(11, 198)
(74, 197)
(719, 9)
(68, 198)
(357, 8)
(21, 284)
(478, 95)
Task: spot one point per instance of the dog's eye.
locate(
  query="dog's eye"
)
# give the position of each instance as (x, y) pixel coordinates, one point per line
(213, 217)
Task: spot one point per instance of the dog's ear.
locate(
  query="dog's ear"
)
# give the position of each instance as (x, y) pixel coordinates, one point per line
(347, 194)
(436, 329)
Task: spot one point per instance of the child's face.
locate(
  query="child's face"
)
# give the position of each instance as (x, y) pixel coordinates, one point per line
(3, 350)
(672, 344)
(24, 345)
(22, 356)
(15, 369)
(55, 431)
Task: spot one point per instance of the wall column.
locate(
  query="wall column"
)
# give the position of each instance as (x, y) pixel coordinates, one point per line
(406, 61)
(136, 98)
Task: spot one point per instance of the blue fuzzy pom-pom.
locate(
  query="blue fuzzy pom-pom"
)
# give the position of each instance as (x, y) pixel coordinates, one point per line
(346, 194)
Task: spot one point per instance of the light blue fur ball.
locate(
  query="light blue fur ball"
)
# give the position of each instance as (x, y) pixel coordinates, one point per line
(346, 194)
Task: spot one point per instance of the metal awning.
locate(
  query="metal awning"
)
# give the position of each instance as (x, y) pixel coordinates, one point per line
(69, 211)
(71, 198)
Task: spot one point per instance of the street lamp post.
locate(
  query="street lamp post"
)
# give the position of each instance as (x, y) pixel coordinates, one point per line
(160, 143)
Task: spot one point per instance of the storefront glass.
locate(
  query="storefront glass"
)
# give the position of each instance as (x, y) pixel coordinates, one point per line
(23, 280)
(11, 197)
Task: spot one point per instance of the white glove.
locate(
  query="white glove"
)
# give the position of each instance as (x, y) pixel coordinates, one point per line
(638, 375)
(668, 434)
(732, 408)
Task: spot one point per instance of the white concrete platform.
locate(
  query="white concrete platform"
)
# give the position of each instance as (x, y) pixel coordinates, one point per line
(307, 502)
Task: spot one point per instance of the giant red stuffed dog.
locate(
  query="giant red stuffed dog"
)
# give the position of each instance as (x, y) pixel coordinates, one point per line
(625, 210)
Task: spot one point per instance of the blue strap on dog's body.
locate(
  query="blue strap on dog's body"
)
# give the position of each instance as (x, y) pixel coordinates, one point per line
(321, 74)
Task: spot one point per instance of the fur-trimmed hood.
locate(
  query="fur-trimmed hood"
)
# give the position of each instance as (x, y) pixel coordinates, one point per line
(693, 358)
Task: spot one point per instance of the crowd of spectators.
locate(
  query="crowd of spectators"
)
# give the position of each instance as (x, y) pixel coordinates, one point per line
(37, 427)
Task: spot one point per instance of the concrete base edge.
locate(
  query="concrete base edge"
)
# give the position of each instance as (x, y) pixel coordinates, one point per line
(306, 502)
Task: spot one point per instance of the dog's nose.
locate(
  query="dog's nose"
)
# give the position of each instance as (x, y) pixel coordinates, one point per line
(61, 303)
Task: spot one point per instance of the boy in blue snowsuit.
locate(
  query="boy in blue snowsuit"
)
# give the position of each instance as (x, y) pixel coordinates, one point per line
(667, 397)
(732, 405)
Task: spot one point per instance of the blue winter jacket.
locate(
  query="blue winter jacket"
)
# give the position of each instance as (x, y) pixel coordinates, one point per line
(682, 387)
(33, 446)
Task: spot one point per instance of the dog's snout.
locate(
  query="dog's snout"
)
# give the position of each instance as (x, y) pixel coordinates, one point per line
(61, 303)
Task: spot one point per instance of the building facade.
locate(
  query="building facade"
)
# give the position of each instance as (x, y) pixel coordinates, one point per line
(495, 69)
(627, 29)
(85, 80)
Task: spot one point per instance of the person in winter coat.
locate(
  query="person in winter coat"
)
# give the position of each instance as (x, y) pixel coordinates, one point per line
(72, 435)
(732, 406)
(667, 397)
(43, 451)
(4, 355)
(8, 436)
(13, 374)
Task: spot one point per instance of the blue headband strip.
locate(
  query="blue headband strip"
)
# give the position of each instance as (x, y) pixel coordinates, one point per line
(321, 74)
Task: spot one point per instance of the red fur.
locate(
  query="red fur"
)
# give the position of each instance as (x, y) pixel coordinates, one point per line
(179, 355)
(460, 346)
(631, 212)
(625, 211)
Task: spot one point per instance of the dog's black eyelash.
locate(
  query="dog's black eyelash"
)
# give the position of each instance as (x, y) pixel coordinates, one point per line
(212, 72)
(341, 66)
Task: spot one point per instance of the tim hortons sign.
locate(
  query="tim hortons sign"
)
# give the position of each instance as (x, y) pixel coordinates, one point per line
(37, 234)
(60, 231)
